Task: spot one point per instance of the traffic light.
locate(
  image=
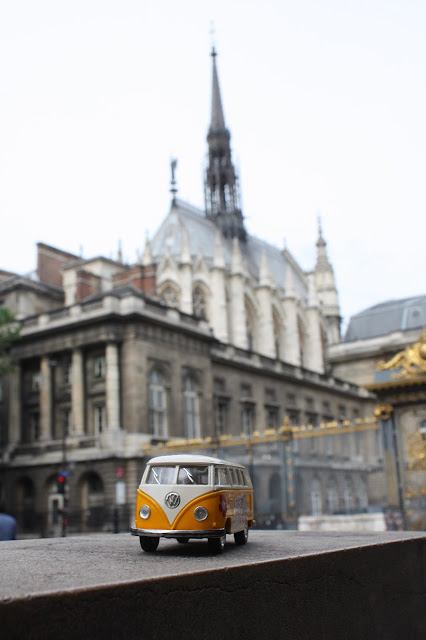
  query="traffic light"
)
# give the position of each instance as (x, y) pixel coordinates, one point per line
(61, 481)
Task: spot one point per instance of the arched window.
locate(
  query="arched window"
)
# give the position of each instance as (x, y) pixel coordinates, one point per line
(157, 404)
(250, 325)
(170, 296)
(191, 408)
(277, 332)
(316, 501)
(199, 303)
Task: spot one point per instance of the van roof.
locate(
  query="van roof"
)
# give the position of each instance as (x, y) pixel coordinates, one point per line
(193, 459)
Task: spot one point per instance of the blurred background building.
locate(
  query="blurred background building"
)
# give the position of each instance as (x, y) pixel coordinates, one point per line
(214, 341)
(384, 350)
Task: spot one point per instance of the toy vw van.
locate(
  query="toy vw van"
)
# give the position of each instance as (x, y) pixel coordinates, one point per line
(189, 496)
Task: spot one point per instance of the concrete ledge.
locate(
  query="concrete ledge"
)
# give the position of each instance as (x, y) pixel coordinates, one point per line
(357, 522)
(282, 584)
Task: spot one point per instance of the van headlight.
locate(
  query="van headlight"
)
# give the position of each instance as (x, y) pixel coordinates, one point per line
(201, 513)
(144, 512)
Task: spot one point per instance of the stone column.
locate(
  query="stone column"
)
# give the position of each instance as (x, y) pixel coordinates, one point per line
(186, 274)
(238, 313)
(15, 408)
(112, 387)
(291, 346)
(77, 391)
(45, 399)
(266, 343)
(314, 350)
(218, 310)
(186, 288)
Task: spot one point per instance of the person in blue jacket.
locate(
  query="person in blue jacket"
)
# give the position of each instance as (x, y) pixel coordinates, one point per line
(7, 525)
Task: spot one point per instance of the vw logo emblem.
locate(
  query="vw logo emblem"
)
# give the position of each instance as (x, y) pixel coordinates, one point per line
(172, 500)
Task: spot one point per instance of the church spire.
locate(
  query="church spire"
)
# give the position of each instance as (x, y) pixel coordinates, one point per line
(326, 289)
(221, 181)
(217, 123)
(322, 258)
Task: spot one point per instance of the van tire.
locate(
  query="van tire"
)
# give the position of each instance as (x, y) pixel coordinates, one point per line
(149, 543)
(241, 537)
(217, 545)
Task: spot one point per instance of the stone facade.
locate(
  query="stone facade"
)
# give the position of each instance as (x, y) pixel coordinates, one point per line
(101, 381)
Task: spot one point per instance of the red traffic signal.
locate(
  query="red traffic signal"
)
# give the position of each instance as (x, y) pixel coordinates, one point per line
(61, 481)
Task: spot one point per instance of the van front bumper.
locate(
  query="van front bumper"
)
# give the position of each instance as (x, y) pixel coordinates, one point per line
(178, 533)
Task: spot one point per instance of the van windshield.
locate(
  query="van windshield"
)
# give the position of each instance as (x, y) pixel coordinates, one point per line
(193, 475)
(161, 475)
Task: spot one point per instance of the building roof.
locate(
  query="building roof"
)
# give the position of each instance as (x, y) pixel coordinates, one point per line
(6, 275)
(202, 238)
(25, 282)
(386, 317)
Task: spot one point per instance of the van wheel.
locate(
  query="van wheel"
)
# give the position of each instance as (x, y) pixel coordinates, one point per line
(241, 537)
(217, 545)
(182, 540)
(149, 543)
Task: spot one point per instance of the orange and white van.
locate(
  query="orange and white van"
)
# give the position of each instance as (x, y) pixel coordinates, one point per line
(191, 496)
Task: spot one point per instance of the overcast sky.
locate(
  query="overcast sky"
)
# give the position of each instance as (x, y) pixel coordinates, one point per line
(325, 101)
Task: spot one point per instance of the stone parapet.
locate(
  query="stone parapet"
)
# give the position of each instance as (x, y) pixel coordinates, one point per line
(282, 584)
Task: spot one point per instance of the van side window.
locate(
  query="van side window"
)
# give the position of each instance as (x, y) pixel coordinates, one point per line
(221, 476)
(193, 475)
(241, 479)
(233, 476)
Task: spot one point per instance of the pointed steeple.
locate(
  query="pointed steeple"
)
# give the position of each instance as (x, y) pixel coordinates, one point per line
(147, 254)
(120, 252)
(322, 258)
(217, 123)
(173, 188)
(326, 288)
(221, 182)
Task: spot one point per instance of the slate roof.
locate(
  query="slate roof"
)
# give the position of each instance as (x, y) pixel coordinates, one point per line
(29, 283)
(387, 317)
(202, 237)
